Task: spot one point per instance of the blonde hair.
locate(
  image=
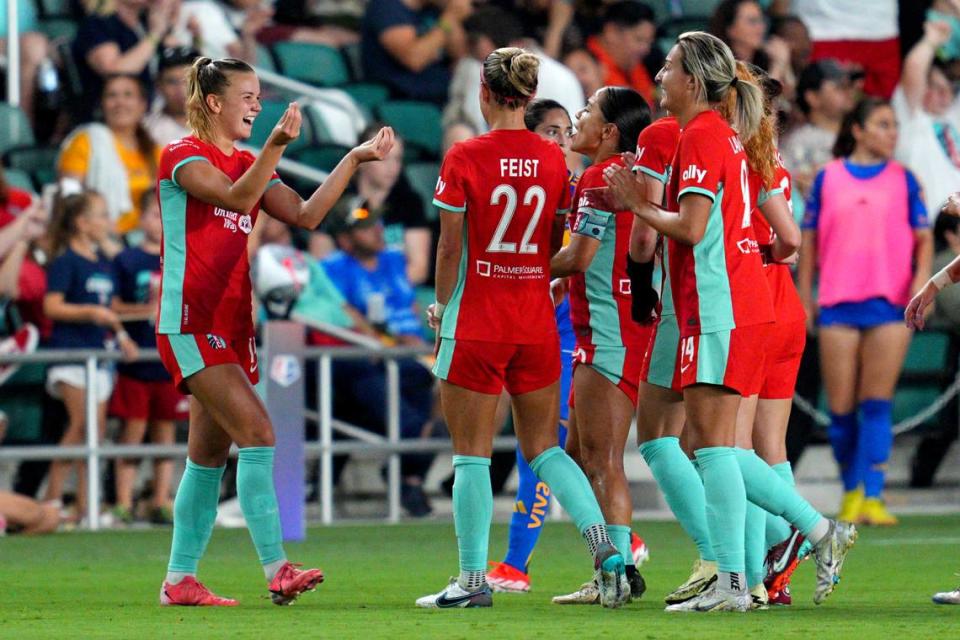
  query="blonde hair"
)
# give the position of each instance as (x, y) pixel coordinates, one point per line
(511, 75)
(208, 76)
(761, 147)
(100, 7)
(713, 67)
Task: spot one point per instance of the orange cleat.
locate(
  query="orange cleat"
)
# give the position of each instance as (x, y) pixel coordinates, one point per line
(505, 578)
(190, 593)
(639, 549)
(289, 582)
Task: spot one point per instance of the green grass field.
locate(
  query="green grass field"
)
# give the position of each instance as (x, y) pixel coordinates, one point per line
(105, 585)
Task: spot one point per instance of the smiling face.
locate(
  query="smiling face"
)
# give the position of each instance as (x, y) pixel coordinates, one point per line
(123, 102)
(235, 110)
(676, 86)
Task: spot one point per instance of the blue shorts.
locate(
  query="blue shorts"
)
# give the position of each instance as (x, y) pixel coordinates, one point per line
(861, 315)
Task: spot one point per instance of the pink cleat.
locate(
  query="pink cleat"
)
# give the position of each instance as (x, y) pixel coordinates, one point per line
(289, 582)
(190, 593)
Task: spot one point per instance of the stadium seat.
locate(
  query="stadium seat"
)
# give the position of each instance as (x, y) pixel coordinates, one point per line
(15, 129)
(668, 31)
(323, 157)
(418, 123)
(39, 162)
(312, 63)
(367, 94)
(422, 176)
(698, 8)
(19, 179)
(59, 28)
(267, 120)
(265, 59)
(56, 8)
(910, 401)
(22, 400)
(353, 54)
(928, 353)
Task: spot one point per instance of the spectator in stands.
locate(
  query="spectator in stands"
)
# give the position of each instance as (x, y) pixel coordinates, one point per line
(33, 51)
(409, 45)
(852, 32)
(145, 395)
(793, 31)
(373, 280)
(925, 104)
(388, 195)
(545, 21)
(23, 223)
(626, 38)
(588, 70)
(490, 28)
(22, 514)
(224, 29)
(118, 158)
(114, 39)
(456, 131)
(167, 121)
(825, 96)
(741, 24)
(80, 286)
(866, 236)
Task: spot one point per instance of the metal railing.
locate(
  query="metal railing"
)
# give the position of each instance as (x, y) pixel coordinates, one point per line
(324, 448)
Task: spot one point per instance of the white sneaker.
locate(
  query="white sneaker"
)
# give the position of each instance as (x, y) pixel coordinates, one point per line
(702, 577)
(588, 593)
(456, 597)
(713, 599)
(947, 597)
(759, 599)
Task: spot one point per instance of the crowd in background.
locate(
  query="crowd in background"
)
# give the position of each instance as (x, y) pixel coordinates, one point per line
(79, 265)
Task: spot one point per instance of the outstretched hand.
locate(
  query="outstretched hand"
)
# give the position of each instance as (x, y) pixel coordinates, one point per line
(916, 312)
(376, 148)
(288, 127)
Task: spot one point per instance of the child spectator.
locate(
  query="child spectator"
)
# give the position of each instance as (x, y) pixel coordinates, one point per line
(167, 121)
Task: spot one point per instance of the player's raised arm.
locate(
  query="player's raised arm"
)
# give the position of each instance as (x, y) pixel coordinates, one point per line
(283, 203)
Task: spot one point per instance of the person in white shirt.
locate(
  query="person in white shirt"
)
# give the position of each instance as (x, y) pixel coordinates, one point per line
(167, 120)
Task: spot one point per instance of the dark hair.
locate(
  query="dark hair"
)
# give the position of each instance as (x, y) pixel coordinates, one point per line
(63, 222)
(846, 143)
(628, 110)
(147, 196)
(779, 23)
(502, 27)
(945, 222)
(208, 76)
(146, 145)
(538, 109)
(724, 16)
(4, 187)
(628, 13)
(173, 57)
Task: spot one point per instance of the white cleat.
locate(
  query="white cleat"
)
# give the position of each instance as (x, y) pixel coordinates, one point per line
(703, 576)
(588, 593)
(759, 599)
(712, 600)
(829, 554)
(610, 574)
(456, 597)
(947, 597)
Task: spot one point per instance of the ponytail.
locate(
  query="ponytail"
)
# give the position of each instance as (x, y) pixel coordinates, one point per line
(208, 76)
(761, 148)
(511, 75)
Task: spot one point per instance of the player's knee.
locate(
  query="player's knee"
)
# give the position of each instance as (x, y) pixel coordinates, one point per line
(260, 435)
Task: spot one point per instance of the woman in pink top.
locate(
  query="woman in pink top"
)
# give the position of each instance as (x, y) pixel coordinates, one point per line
(867, 238)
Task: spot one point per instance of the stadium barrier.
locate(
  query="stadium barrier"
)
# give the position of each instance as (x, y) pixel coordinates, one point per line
(322, 449)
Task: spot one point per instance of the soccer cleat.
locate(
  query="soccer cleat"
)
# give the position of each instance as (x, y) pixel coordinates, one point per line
(456, 597)
(851, 506)
(639, 549)
(947, 597)
(505, 578)
(588, 593)
(704, 574)
(289, 582)
(781, 598)
(782, 561)
(829, 555)
(759, 600)
(610, 574)
(638, 585)
(874, 513)
(711, 600)
(190, 593)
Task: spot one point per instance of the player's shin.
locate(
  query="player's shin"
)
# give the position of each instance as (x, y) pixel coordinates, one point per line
(472, 513)
(194, 512)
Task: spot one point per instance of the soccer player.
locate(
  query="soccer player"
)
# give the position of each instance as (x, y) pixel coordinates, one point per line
(723, 310)
(210, 194)
(610, 345)
(503, 198)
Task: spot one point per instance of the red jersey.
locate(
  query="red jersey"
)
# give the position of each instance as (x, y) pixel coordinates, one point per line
(205, 282)
(600, 297)
(717, 284)
(510, 184)
(786, 300)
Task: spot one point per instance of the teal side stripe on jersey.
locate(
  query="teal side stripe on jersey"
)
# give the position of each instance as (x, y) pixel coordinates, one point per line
(449, 207)
(604, 315)
(710, 267)
(173, 174)
(173, 211)
(662, 177)
(187, 353)
(441, 368)
(667, 307)
(712, 355)
(448, 326)
(663, 353)
(703, 192)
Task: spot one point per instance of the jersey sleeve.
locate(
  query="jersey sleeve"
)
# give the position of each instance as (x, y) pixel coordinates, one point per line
(781, 180)
(655, 149)
(450, 193)
(594, 208)
(700, 162)
(918, 210)
(178, 154)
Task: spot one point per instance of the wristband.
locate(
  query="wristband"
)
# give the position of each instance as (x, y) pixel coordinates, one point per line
(941, 279)
(438, 308)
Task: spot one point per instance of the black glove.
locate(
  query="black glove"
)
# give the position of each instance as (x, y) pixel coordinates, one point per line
(644, 297)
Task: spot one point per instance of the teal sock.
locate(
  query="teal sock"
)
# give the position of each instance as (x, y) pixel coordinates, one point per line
(778, 529)
(755, 544)
(570, 487)
(472, 510)
(258, 502)
(726, 506)
(767, 490)
(682, 487)
(194, 512)
(620, 536)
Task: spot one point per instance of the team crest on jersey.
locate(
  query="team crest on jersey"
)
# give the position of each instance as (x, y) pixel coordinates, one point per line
(216, 342)
(245, 223)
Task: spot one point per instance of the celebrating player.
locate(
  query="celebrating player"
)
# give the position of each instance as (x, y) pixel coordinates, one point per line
(610, 345)
(503, 197)
(723, 310)
(210, 194)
